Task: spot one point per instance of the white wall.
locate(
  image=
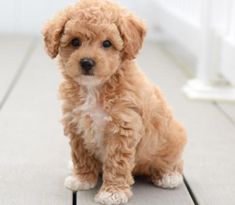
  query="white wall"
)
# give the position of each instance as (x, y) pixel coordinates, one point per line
(28, 16)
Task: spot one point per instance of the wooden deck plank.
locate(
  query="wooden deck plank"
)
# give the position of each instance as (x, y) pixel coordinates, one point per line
(144, 193)
(228, 109)
(28, 175)
(209, 161)
(13, 50)
(33, 151)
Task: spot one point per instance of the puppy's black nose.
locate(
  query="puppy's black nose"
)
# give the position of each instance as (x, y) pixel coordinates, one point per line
(87, 64)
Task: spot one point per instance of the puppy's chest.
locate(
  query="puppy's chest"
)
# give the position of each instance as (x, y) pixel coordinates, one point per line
(91, 124)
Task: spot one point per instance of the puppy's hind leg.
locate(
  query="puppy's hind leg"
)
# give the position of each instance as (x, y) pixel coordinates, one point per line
(167, 167)
(167, 179)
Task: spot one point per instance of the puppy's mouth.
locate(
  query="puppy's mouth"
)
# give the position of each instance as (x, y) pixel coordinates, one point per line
(88, 80)
(87, 73)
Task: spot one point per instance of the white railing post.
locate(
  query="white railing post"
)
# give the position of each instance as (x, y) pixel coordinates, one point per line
(228, 51)
(232, 22)
(205, 59)
(207, 85)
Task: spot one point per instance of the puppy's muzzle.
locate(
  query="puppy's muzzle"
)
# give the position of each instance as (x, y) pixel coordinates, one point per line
(86, 65)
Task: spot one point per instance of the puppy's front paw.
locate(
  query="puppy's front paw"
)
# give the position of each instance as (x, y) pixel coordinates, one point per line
(73, 183)
(111, 198)
(169, 181)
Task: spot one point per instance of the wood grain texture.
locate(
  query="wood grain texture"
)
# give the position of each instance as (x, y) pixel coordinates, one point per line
(209, 156)
(33, 151)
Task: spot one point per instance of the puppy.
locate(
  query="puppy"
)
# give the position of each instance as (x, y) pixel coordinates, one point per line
(117, 121)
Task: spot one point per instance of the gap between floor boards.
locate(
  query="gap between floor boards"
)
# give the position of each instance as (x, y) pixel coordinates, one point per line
(19, 72)
(74, 194)
(74, 198)
(190, 191)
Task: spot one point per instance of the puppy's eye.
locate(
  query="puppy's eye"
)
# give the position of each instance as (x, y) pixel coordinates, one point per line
(107, 44)
(76, 42)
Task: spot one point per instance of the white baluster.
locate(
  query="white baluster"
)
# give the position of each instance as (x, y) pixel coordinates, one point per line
(227, 59)
(204, 65)
(207, 85)
(232, 24)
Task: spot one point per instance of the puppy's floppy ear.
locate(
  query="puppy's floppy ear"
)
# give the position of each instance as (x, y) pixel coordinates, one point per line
(132, 31)
(53, 30)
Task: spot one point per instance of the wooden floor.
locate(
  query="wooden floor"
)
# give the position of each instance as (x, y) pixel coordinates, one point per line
(34, 153)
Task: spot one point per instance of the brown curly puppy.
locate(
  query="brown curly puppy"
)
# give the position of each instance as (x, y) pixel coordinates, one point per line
(117, 121)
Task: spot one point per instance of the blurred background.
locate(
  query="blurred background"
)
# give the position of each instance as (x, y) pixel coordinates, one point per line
(189, 52)
(200, 33)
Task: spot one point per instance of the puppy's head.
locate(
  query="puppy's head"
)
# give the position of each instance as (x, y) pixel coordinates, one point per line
(93, 38)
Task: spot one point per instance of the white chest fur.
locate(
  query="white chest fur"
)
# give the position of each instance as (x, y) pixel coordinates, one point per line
(92, 121)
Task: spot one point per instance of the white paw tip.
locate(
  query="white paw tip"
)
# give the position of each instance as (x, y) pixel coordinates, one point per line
(74, 184)
(109, 198)
(170, 181)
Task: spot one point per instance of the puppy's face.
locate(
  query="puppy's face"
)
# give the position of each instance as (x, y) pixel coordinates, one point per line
(90, 54)
(93, 38)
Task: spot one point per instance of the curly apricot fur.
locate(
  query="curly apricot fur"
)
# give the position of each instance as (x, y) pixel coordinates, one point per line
(117, 121)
